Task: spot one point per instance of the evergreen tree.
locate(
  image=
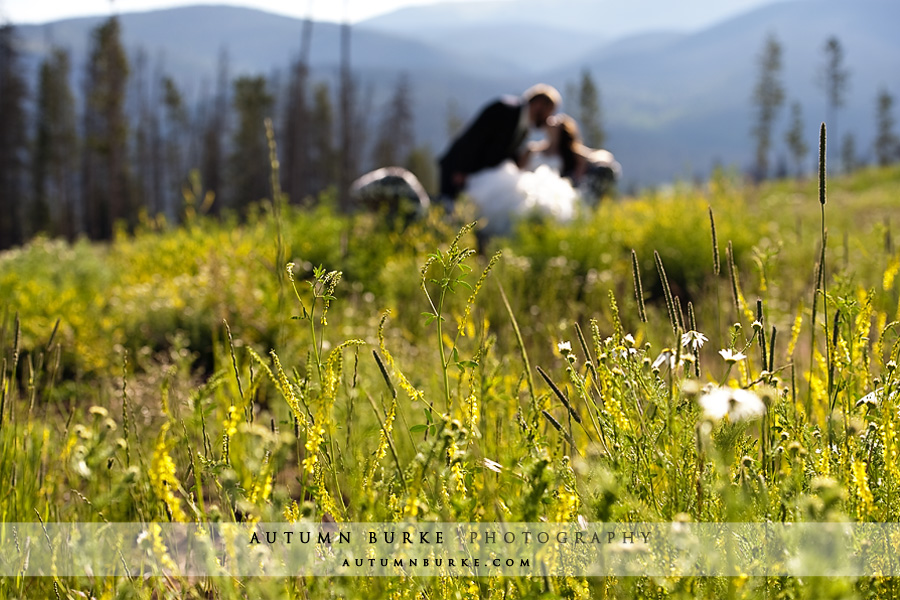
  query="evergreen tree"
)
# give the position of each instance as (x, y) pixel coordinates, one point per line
(455, 120)
(422, 163)
(13, 140)
(887, 145)
(351, 125)
(834, 78)
(215, 126)
(146, 164)
(395, 133)
(768, 96)
(297, 172)
(249, 165)
(848, 154)
(173, 136)
(795, 139)
(105, 167)
(55, 154)
(589, 114)
(322, 151)
(297, 144)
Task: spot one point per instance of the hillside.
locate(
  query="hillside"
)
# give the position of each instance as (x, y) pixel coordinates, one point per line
(674, 102)
(690, 97)
(187, 42)
(602, 19)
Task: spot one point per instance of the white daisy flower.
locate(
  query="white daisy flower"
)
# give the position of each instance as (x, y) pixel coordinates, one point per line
(665, 357)
(738, 404)
(143, 539)
(492, 465)
(875, 398)
(732, 357)
(564, 347)
(693, 340)
(872, 398)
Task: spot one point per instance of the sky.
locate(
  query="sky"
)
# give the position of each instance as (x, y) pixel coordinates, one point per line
(40, 11)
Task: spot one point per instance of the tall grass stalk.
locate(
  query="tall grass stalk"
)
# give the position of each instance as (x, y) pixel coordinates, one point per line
(383, 422)
(8, 383)
(638, 288)
(281, 251)
(234, 365)
(824, 280)
(762, 334)
(821, 273)
(521, 345)
(126, 409)
(732, 273)
(453, 269)
(667, 292)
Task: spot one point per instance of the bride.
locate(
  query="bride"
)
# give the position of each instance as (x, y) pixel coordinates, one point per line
(546, 184)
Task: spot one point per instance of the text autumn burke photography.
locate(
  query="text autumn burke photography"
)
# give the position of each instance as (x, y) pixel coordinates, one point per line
(288, 537)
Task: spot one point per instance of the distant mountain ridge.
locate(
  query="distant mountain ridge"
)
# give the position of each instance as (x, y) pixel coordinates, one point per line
(674, 102)
(692, 95)
(190, 38)
(609, 19)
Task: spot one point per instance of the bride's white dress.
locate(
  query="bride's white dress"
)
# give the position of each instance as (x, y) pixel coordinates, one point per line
(505, 193)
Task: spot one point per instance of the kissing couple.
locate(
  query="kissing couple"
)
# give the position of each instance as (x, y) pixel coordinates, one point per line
(507, 176)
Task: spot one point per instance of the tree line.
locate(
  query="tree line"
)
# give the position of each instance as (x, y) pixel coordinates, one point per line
(76, 174)
(134, 149)
(833, 78)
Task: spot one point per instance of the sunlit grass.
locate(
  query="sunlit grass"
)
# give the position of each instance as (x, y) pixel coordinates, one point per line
(188, 380)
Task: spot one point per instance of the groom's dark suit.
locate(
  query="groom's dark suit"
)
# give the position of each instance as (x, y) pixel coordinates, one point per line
(493, 137)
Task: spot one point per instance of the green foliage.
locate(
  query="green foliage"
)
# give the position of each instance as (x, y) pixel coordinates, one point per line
(142, 404)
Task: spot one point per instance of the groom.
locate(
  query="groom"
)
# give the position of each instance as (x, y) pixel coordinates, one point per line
(497, 134)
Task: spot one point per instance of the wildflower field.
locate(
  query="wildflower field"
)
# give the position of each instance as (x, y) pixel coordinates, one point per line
(717, 354)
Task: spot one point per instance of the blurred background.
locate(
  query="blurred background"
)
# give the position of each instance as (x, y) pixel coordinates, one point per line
(110, 109)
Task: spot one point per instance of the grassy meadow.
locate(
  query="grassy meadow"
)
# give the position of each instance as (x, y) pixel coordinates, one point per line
(305, 365)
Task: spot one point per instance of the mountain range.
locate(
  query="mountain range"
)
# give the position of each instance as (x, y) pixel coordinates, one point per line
(675, 91)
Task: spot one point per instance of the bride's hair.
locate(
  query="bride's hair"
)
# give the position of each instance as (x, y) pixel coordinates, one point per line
(542, 91)
(569, 145)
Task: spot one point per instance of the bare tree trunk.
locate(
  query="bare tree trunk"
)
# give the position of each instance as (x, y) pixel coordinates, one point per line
(214, 130)
(13, 141)
(345, 173)
(296, 147)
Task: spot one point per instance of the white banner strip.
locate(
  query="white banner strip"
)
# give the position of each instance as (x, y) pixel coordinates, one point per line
(450, 549)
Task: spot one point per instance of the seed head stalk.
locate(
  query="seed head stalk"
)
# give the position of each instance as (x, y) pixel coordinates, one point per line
(437, 315)
(315, 344)
(823, 271)
(440, 336)
(453, 271)
(716, 269)
(819, 281)
(281, 250)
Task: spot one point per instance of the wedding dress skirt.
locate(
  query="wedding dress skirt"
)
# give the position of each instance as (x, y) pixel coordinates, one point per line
(505, 193)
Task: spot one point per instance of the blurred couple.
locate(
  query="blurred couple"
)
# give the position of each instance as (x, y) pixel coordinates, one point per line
(507, 176)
